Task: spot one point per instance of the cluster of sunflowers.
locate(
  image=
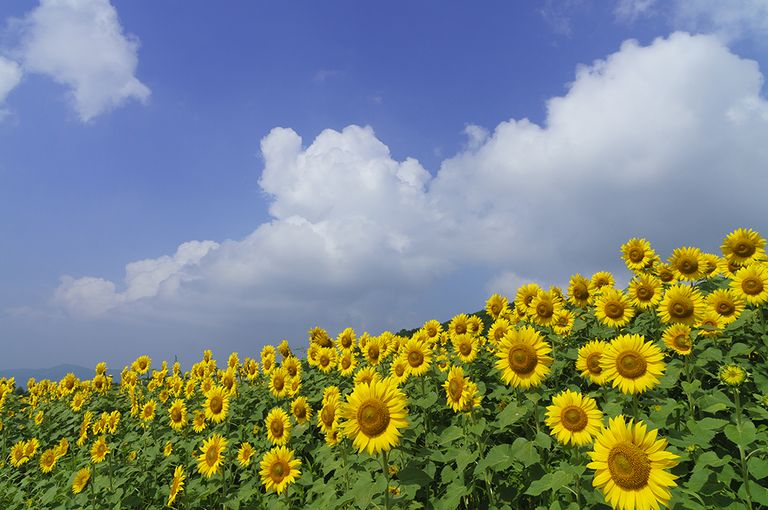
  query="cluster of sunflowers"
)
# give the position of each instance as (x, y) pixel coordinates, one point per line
(589, 354)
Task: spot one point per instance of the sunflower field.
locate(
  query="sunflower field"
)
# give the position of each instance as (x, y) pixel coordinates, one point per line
(651, 396)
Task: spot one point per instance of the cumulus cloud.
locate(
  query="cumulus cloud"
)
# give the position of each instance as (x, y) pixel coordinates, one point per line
(642, 144)
(10, 77)
(81, 44)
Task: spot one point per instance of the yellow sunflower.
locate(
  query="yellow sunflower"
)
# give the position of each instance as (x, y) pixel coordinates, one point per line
(374, 351)
(198, 423)
(216, 404)
(400, 369)
(544, 307)
(678, 338)
(613, 308)
(456, 389)
(374, 415)
(687, 262)
(632, 364)
(211, 455)
(644, 291)
(497, 331)
(244, 454)
(574, 418)
(168, 449)
(525, 295)
(637, 254)
(292, 366)
(279, 469)
(278, 382)
(711, 264)
(666, 273)
(588, 361)
(602, 279)
(523, 357)
(631, 466)
(563, 321)
(743, 246)
(727, 304)
(346, 339)
(681, 304)
(18, 455)
(177, 484)
(62, 448)
(142, 364)
(81, 480)
(751, 284)
(419, 356)
(732, 375)
(347, 363)
(433, 329)
(177, 415)
(99, 450)
(48, 460)
(578, 291)
(496, 306)
(301, 410)
(710, 324)
(366, 375)
(278, 426)
(474, 325)
(326, 359)
(458, 325)
(148, 411)
(465, 347)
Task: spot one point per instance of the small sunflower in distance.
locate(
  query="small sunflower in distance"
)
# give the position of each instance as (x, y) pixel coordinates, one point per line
(177, 484)
(613, 308)
(278, 469)
(523, 357)
(458, 325)
(637, 254)
(211, 455)
(681, 304)
(455, 389)
(631, 466)
(81, 480)
(644, 291)
(374, 415)
(496, 306)
(588, 361)
(419, 356)
(525, 296)
(632, 364)
(732, 375)
(678, 338)
(278, 426)
(751, 284)
(48, 460)
(301, 410)
(244, 454)
(687, 262)
(602, 279)
(217, 404)
(177, 415)
(743, 246)
(574, 418)
(99, 450)
(665, 273)
(578, 291)
(400, 369)
(466, 347)
(544, 307)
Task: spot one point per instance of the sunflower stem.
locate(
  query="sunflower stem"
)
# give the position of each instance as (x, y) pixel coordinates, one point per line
(111, 488)
(92, 482)
(687, 366)
(635, 413)
(742, 458)
(385, 468)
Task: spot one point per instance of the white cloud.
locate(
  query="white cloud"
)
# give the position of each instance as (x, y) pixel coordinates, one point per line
(642, 144)
(10, 77)
(81, 44)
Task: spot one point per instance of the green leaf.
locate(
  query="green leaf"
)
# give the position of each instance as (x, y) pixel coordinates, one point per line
(499, 458)
(550, 481)
(743, 437)
(758, 467)
(510, 415)
(464, 458)
(525, 452)
(450, 434)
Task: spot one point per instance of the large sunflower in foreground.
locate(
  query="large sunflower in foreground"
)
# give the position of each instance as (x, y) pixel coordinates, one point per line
(613, 308)
(632, 364)
(631, 465)
(278, 469)
(374, 415)
(523, 357)
(681, 304)
(211, 455)
(574, 418)
(588, 361)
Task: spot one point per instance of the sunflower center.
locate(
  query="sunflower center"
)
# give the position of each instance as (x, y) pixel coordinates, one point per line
(680, 310)
(644, 293)
(300, 412)
(629, 466)
(345, 363)
(631, 364)
(614, 310)
(580, 291)
(278, 472)
(399, 370)
(373, 352)
(574, 418)
(211, 456)
(688, 266)
(176, 414)
(216, 405)
(461, 328)
(522, 359)
(593, 363)
(544, 310)
(495, 309)
(373, 417)
(455, 389)
(725, 308)
(328, 414)
(276, 427)
(666, 276)
(744, 249)
(636, 254)
(682, 342)
(752, 285)
(324, 360)
(279, 383)
(415, 358)
(465, 348)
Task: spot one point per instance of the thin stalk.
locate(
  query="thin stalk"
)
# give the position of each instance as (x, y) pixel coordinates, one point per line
(635, 412)
(687, 367)
(742, 458)
(92, 482)
(385, 468)
(111, 488)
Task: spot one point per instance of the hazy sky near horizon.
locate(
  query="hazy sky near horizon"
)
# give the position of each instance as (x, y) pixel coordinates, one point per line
(183, 175)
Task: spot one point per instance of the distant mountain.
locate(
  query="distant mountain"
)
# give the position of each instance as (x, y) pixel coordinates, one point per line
(22, 375)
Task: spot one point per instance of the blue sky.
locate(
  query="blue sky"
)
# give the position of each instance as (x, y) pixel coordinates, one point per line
(431, 153)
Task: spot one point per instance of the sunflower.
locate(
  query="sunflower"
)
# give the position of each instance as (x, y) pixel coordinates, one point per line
(328, 416)
(637, 254)
(30, 447)
(525, 295)
(458, 325)
(333, 436)
(743, 246)
(331, 393)
(374, 351)
(711, 324)
(278, 382)
(168, 449)
(588, 361)
(602, 279)
(346, 339)
(278, 469)
(18, 455)
(632, 364)
(666, 273)
(732, 375)
(523, 357)
(466, 347)
(678, 338)
(497, 331)
(198, 422)
(81, 480)
(496, 306)
(177, 484)
(687, 262)
(347, 363)
(301, 410)
(148, 411)
(474, 325)
(563, 321)
(419, 356)
(727, 304)
(681, 304)
(99, 450)
(48, 460)
(278, 426)
(374, 415)
(177, 415)
(62, 448)
(244, 454)
(400, 369)
(574, 418)
(366, 375)
(631, 465)
(292, 366)
(544, 307)
(216, 404)
(142, 364)
(211, 455)
(578, 290)
(644, 291)
(751, 284)
(456, 389)
(613, 308)
(710, 265)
